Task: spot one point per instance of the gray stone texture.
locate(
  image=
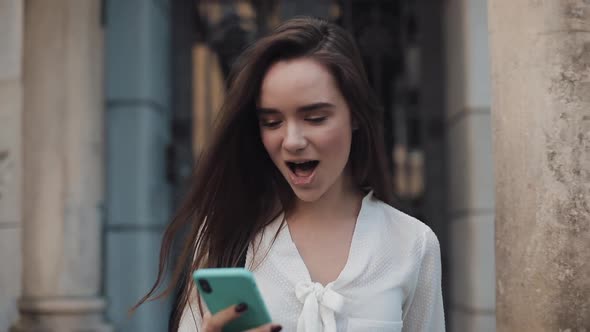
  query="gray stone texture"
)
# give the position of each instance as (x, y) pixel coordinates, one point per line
(470, 163)
(10, 275)
(133, 263)
(138, 196)
(470, 169)
(137, 52)
(540, 54)
(11, 36)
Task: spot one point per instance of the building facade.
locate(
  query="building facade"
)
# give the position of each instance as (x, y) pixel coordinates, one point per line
(105, 104)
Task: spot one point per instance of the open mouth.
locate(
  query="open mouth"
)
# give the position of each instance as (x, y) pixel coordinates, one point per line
(304, 168)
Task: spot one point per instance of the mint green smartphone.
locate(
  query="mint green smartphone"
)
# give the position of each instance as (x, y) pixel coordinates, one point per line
(224, 287)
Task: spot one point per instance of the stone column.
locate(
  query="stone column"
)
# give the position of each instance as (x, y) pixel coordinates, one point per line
(470, 169)
(137, 45)
(11, 35)
(540, 52)
(63, 158)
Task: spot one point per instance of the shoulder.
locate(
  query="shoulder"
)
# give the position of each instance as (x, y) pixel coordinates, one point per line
(409, 233)
(398, 221)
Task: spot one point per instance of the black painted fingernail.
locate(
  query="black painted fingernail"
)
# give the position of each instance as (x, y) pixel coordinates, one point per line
(241, 307)
(276, 328)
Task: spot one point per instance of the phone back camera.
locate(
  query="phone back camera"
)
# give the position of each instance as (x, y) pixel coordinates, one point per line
(205, 286)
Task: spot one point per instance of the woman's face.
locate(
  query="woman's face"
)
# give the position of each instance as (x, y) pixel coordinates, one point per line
(305, 125)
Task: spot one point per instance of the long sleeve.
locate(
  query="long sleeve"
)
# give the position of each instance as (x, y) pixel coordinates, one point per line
(425, 311)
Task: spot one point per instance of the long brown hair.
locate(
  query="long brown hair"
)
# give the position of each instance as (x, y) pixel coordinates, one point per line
(236, 189)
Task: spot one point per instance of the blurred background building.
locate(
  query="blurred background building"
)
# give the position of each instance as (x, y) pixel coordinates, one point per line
(105, 106)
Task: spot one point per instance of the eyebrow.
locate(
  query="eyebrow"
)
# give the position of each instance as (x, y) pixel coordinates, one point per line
(303, 109)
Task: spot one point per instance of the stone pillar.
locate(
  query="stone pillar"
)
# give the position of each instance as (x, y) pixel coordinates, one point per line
(540, 52)
(138, 193)
(11, 35)
(470, 167)
(63, 158)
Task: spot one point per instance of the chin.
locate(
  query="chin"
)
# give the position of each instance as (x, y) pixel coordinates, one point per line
(308, 195)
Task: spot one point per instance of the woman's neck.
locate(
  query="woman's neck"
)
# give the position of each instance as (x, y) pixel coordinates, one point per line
(341, 202)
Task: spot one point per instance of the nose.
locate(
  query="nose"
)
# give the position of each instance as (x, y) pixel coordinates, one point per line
(294, 140)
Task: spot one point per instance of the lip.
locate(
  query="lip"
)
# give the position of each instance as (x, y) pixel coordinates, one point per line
(300, 180)
(299, 161)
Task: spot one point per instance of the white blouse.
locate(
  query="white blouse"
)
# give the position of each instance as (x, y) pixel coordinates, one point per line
(391, 281)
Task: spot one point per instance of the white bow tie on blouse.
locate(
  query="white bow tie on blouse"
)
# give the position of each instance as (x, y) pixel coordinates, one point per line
(319, 305)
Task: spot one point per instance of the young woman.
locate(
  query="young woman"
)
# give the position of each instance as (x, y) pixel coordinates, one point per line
(294, 187)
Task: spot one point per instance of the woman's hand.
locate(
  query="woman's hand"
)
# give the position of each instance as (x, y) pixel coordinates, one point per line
(215, 323)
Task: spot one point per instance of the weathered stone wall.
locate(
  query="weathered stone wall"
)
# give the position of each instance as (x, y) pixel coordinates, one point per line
(11, 36)
(541, 116)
